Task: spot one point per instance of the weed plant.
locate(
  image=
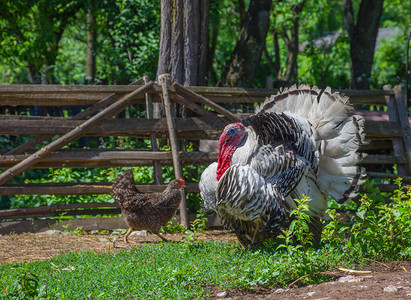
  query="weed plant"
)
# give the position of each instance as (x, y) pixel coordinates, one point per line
(185, 270)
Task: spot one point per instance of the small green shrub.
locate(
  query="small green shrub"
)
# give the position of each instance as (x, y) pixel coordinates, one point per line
(333, 232)
(383, 230)
(298, 230)
(25, 286)
(199, 224)
(172, 227)
(78, 231)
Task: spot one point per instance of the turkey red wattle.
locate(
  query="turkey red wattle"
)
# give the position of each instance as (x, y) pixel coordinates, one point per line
(230, 139)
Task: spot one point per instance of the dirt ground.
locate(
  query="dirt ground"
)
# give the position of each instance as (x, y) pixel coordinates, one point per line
(385, 280)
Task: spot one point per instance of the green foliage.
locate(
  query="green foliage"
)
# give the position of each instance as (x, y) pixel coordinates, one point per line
(298, 230)
(390, 59)
(130, 49)
(26, 285)
(334, 232)
(114, 236)
(383, 230)
(326, 66)
(70, 175)
(199, 224)
(191, 241)
(30, 34)
(172, 227)
(50, 37)
(224, 20)
(78, 231)
(396, 14)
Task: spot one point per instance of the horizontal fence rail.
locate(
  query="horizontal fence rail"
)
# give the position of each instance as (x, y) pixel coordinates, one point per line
(197, 128)
(387, 132)
(65, 95)
(98, 158)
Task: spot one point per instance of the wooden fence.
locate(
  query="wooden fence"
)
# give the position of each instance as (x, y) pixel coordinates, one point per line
(388, 132)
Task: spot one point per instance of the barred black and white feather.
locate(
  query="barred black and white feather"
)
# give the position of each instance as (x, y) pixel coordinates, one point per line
(300, 142)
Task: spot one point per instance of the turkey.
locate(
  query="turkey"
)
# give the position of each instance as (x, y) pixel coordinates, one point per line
(302, 141)
(146, 211)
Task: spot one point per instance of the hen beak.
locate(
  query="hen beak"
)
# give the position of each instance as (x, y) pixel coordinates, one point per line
(180, 185)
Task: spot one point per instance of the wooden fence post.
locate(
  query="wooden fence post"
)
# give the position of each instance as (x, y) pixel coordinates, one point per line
(164, 79)
(110, 111)
(397, 143)
(154, 146)
(404, 123)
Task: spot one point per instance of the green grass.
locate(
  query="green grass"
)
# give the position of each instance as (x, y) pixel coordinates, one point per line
(168, 271)
(186, 270)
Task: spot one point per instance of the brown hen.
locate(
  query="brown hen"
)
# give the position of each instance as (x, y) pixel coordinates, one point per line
(146, 211)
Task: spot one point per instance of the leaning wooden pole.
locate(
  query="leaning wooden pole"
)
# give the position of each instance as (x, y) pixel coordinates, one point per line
(80, 116)
(110, 111)
(190, 94)
(164, 79)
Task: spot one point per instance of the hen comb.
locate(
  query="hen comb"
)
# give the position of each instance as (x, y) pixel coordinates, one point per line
(182, 180)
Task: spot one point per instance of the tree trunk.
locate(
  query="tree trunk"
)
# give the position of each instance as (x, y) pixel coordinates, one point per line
(203, 44)
(242, 12)
(277, 56)
(363, 39)
(246, 56)
(191, 41)
(31, 74)
(176, 62)
(214, 27)
(91, 47)
(183, 47)
(275, 64)
(184, 40)
(183, 44)
(165, 38)
(291, 42)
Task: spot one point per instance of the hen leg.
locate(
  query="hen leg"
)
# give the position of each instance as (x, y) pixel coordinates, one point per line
(161, 237)
(127, 234)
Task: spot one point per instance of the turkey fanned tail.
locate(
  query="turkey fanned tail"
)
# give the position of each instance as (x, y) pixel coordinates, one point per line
(337, 132)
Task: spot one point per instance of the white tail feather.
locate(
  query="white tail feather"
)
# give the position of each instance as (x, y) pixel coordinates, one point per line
(338, 135)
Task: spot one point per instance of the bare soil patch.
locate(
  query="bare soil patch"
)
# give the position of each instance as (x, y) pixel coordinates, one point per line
(386, 281)
(16, 248)
(392, 281)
